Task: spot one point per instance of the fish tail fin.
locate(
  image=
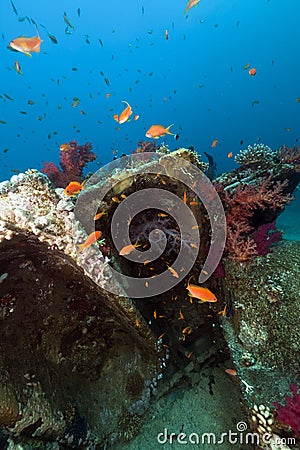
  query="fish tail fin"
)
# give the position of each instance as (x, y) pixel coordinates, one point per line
(168, 129)
(80, 247)
(83, 183)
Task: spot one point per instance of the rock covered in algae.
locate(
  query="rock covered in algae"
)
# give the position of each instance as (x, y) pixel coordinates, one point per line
(264, 332)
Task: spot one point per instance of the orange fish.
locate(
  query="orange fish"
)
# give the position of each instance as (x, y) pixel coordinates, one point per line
(230, 155)
(65, 147)
(90, 240)
(127, 249)
(173, 272)
(136, 117)
(99, 215)
(252, 72)
(157, 131)
(125, 114)
(231, 372)
(214, 143)
(201, 293)
(26, 45)
(73, 188)
(190, 4)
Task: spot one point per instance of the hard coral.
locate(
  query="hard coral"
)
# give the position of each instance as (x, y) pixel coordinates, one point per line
(290, 155)
(259, 155)
(72, 162)
(290, 413)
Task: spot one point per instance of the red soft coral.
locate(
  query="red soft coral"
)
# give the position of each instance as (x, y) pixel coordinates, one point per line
(246, 201)
(72, 161)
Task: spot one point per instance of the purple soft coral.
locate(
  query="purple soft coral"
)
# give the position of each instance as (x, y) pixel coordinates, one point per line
(290, 413)
(265, 236)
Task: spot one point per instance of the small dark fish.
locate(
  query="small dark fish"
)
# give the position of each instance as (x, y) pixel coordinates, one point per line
(5, 150)
(101, 73)
(241, 142)
(21, 19)
(8, 97)
(3, 122)
(49, 136)
(107, 81)
(254, 102)
(18, 67)
(74, 69)
(23, 112)
(150, 31)
(100, 42)
(67, 21)
(143, 11)
(87, 39)
(30, 102)
(52, 38)
(237, 24)
(78, 12)
(14, 8)
(176, 137)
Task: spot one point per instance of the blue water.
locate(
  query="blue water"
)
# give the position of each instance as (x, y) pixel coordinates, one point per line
(196, 79)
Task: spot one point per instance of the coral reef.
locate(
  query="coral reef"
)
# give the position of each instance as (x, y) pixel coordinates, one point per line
(263, 333)
(73, 159)
(243, 210)
(63, 329)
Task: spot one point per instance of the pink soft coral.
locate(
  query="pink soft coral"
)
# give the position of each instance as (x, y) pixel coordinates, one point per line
(290, 413)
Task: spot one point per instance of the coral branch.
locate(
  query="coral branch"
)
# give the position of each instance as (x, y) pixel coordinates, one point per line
(246, 202)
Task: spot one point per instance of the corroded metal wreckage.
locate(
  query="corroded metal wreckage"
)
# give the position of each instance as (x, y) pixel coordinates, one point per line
(79, 363)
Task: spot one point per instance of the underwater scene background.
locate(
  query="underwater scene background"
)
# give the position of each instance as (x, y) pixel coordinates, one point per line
(195, 103)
